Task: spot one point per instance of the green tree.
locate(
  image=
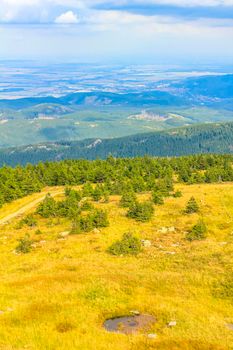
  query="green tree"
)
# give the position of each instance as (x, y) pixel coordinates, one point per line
(192, 206)
(48, 208)
(97, 193)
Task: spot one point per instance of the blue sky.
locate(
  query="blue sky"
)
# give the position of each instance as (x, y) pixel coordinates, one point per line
(131, 31)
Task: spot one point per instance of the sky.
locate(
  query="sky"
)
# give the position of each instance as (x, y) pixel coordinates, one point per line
(118, 31)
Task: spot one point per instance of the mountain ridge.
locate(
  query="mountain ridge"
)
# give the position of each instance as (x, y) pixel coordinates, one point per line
(202, 138)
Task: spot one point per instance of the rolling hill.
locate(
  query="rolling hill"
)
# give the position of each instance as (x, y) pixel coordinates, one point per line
(207, 138)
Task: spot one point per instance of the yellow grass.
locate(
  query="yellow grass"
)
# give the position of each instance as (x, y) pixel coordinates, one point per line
(58, 296)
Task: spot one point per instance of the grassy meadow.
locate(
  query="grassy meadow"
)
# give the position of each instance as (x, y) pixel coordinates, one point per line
(57, 296)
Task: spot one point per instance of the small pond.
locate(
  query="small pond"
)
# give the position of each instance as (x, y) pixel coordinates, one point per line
(129, 324)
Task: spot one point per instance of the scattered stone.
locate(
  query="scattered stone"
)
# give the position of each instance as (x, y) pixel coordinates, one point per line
(96, 230)
(15, 252)
(170, 253)
(167, 229)
(230, 326)
(146, 243)
(1, 312)
(176, 245)
(42, 242)
(172, 324)
(152, 336)
(65, 233)
(223, 243)
(163, 230)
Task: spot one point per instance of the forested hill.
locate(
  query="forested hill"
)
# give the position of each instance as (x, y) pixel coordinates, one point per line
(208, 138)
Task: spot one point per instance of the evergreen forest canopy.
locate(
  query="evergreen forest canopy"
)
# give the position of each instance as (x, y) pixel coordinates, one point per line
(204, 138)
(115, 176)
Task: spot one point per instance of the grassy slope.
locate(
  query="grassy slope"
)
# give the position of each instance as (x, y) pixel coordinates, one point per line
(75, 283)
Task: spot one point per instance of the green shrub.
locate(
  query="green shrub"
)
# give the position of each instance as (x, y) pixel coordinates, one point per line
(38, 232)
(157, 198)
(29, 220)
(223, 288)
(97, 193)
(192, 206)
(141, 211)
(128, 245)
(48, 208)
(96, 219)
(177, 194)
(100, 218)
(198, 232)
(128, 199)
(86, 205)
(25, 245)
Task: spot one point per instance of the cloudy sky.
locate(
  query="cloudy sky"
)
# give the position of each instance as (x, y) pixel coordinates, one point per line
(117, 31)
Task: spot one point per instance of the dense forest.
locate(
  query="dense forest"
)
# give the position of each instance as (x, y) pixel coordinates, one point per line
(115, 175)
(206, 138)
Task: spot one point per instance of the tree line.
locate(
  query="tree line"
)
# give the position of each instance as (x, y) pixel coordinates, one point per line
(115, 175)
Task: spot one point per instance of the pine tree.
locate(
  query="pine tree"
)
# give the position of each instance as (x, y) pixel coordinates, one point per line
(192, 206)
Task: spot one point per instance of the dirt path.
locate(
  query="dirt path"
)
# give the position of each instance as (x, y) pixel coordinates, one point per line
(27, 207)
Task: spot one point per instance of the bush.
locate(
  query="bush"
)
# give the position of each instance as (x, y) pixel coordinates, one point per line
(25, 245)
(177, 194)
(157, 198)
(141, 211)
(128, 245)
(86, 205)
(97, 219)
(100, 218)
(192, 206)
(97, 194)
(198, 232)
(29, 220)
(128, 199)
(84, 224)
(48, 208)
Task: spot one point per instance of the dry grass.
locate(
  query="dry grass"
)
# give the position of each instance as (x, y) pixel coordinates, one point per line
(58, 296)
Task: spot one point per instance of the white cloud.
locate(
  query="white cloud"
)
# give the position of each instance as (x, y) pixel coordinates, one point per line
(68, 17)
(64, 11)
(186, 3)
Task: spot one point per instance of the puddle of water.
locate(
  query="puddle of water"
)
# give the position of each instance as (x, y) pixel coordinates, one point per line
(129, 324)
